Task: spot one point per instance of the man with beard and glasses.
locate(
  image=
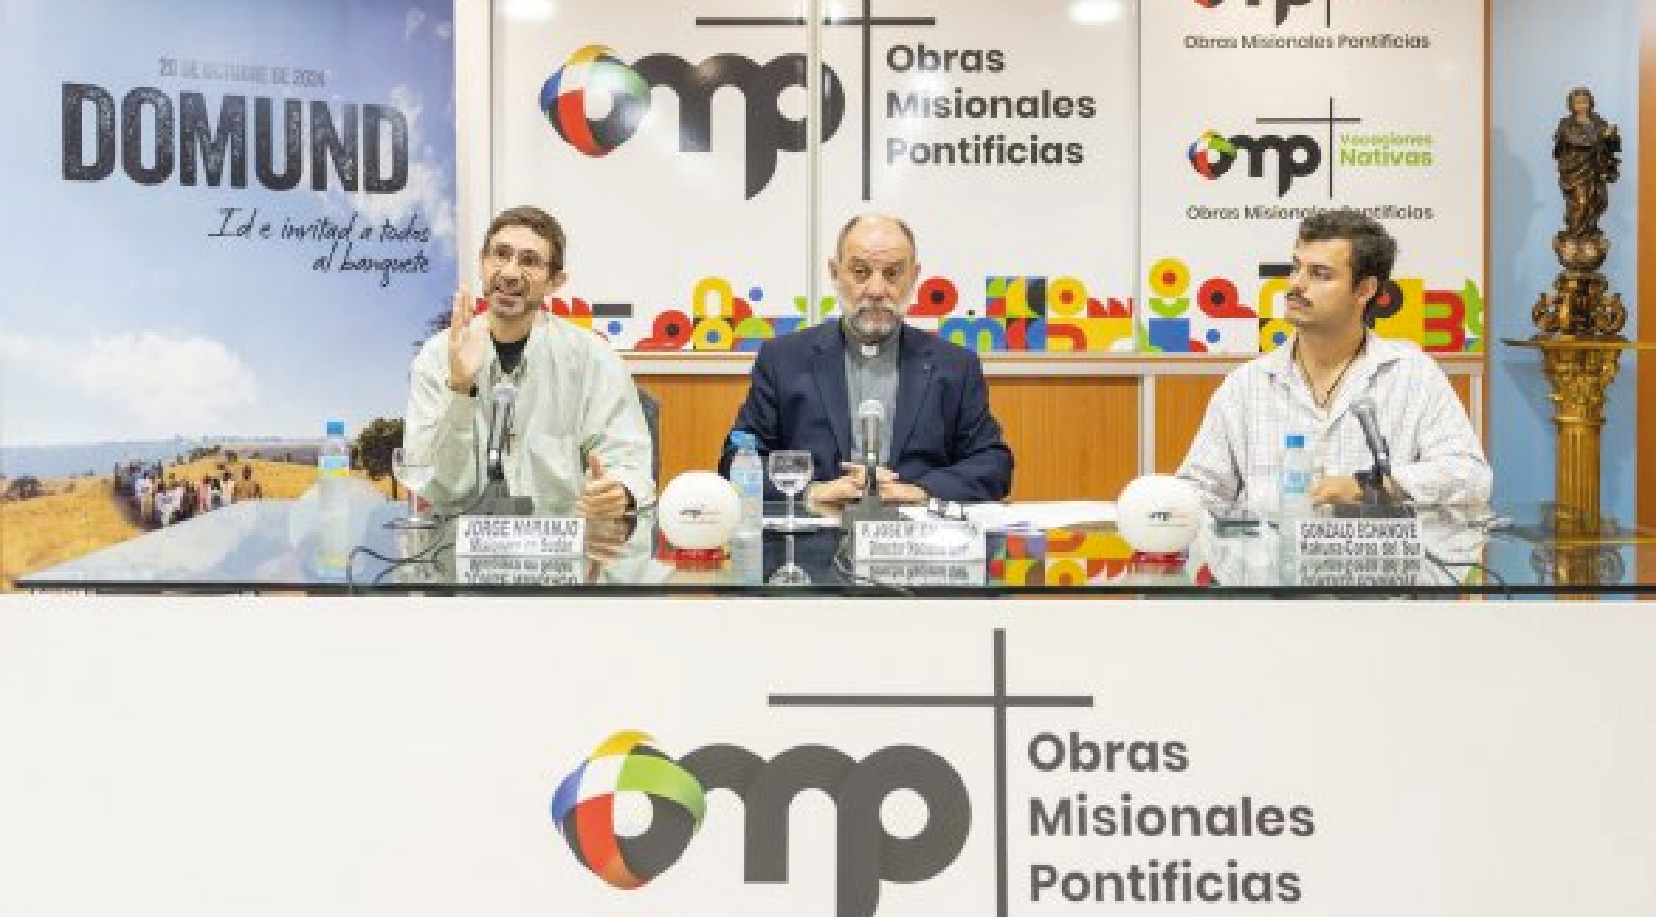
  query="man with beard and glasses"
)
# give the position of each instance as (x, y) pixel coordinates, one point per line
(1342, 260)
(577, 437)
(937, 437)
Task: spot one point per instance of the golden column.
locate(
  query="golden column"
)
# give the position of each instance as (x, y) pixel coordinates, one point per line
(1579, 324)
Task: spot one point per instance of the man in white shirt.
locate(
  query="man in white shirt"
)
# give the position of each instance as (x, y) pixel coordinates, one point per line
(577, 438)
(1309, 384)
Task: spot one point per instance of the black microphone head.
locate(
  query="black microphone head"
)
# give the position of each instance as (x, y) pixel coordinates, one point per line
(1364, 405)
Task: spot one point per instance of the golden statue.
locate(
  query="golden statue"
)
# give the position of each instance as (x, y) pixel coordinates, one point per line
(1579, 321)
(1586, 146)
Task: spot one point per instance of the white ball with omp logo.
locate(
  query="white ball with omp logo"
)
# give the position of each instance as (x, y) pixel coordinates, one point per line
(698, 510)
(1159, 514)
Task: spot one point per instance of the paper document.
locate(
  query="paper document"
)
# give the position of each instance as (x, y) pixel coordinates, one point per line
(1054, 515)
(803, 521)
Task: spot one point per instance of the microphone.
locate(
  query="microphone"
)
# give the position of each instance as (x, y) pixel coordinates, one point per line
(870, 416)
(500, 422)
(1374, 482)
(1364, 410)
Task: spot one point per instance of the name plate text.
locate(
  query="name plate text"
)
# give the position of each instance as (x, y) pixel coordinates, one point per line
(923, 573)
(1357, 539)
(500, 570)
(936, 540)
(520, 536)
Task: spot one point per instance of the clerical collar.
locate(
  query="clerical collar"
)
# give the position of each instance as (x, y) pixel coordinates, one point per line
(868, 351)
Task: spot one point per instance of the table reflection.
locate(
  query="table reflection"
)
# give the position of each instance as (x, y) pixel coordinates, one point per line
(264, 545)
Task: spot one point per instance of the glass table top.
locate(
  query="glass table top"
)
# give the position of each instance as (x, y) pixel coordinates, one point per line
(268, 546)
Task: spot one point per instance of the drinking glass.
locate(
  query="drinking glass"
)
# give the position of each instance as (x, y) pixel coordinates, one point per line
(414, 471)
(790, 573)
(790, 472)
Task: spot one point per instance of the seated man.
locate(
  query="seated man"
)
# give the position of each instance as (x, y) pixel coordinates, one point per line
(1309, 385)
(937, 437)
(577, 436)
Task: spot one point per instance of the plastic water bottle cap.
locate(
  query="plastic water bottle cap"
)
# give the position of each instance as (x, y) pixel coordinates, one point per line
(1295, 441)
(336, 428)
(742, 439)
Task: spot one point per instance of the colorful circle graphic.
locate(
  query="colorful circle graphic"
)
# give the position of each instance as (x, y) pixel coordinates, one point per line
(1169, 278)
(584, 809)
(594, 73)
(1211, 155)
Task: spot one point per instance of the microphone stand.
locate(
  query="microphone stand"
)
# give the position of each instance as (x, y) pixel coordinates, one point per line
(868, 508)
(497, 498)
(1373, 486)
(1378, 502)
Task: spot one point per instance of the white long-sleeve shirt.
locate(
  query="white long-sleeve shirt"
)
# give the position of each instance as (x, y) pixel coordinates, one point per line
(1436, 456)
(573, 392)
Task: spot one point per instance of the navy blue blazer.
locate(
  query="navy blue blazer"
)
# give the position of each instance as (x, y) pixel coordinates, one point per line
(944, 438)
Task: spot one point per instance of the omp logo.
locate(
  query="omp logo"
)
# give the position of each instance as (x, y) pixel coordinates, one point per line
(1295, 156)
(585, 809)
(1211, 155)
(628, 811)
(1284, 158)
(595, 101)
(594, 71)
(1281, 7)
(594, 80)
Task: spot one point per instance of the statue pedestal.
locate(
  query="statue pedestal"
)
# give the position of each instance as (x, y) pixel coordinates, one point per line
(1579, 369)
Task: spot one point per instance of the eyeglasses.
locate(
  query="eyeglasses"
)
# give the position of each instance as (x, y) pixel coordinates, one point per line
(528, 260)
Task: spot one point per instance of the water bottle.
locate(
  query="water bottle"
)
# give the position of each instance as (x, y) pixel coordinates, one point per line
(748, 477)
(747, 567)
(333, 531)
(1294, 492)
(1295, 479)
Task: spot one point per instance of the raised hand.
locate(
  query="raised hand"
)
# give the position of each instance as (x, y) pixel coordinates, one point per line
(469, 344)
(604, 497)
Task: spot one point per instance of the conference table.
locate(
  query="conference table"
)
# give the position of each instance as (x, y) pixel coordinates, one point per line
(265, 546)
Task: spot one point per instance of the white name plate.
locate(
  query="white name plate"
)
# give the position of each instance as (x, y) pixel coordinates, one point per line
(478, 570)
(922, 573)
(937, 540)
(520, 536)
(1357, 539)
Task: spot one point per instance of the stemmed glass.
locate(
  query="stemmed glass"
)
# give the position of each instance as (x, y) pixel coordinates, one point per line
(790, 472)
(790, 573)
(414, 471)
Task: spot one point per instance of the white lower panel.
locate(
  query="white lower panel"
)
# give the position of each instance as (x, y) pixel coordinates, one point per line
(398, 756)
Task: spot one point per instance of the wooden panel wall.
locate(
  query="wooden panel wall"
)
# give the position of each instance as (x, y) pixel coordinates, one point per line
(1073, 437)
(696, 414)
(1645, 469)
(1181, 401)
(1180, 404)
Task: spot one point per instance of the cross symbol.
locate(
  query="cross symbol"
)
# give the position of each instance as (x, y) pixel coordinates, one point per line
(1330, 120)
(866, 22)
(998, 700)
